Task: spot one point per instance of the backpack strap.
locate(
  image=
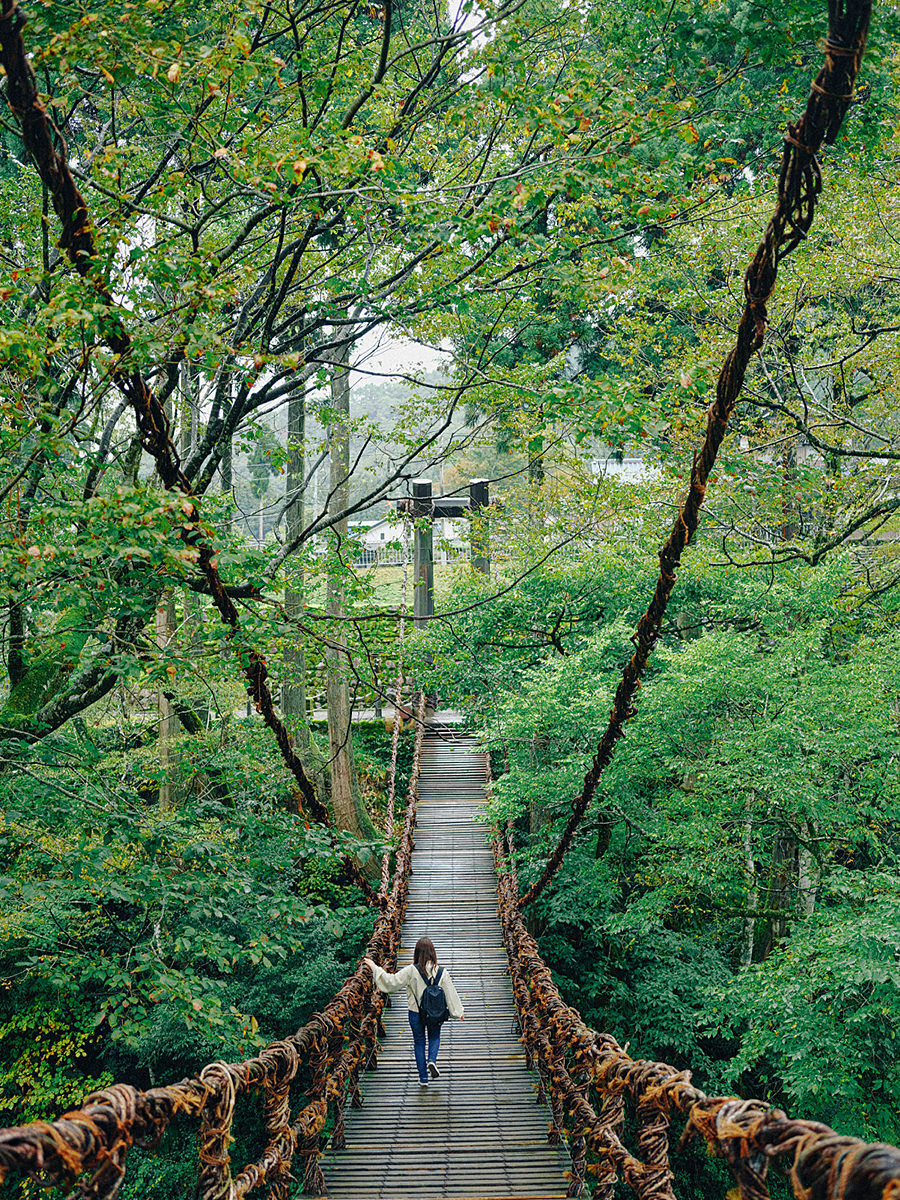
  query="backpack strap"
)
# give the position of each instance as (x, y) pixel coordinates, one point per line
(437, 977)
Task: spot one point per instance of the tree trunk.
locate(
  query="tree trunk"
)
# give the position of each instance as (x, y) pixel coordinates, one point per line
(536, 478)
(226, 475)
(188, 441)
(349, 810)
(789, 508)
(293, 692)
(15, 649)
(47, 674)
(605, 825)
(807, 881)
(536, 472)
(752, 898)
(831, 505)
(781, 884)
(165, 627)
(538, 813)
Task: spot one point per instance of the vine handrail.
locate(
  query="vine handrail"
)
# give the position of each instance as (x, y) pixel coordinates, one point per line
(588, 1077)
(333, 1046)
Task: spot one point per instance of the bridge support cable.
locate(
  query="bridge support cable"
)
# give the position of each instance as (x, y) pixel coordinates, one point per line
(88, 1148)
(799, 185)
(594, 1087)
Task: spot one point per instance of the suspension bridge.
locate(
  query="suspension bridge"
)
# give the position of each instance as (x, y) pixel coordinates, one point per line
(533, 1103)
(477, 1130)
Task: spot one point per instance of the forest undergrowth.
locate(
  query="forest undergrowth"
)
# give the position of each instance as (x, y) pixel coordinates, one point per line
(731, 902)
(140, 942)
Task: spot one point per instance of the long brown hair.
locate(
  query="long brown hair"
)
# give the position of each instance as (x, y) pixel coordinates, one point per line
(424, 953)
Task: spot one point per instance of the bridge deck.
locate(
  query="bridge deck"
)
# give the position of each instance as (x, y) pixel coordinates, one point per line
(476, 1132)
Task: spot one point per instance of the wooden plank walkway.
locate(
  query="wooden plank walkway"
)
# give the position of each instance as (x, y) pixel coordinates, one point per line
(477, 1131)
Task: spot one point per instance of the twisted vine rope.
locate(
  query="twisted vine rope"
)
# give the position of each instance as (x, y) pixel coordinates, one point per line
(799, 185)
(589, 1079)
(89, 1146)
(77, 240)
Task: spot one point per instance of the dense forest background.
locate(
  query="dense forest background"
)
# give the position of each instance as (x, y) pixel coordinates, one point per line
(352, 245)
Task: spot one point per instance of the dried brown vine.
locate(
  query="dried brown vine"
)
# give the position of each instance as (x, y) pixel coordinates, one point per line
(590, 1080)
(799, 184)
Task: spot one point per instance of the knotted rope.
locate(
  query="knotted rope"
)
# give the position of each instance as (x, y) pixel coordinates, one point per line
(90, 1145)
(589, 1080)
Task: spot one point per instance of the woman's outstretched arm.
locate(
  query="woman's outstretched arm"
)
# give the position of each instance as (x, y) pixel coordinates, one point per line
(384, 980)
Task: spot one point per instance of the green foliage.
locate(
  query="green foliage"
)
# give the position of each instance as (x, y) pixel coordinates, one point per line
(46, 1050)
(566, 197)
(729, 904)
(140, 942)
(818, 1021)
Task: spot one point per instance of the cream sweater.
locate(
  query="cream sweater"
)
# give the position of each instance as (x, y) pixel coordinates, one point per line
(410, 978)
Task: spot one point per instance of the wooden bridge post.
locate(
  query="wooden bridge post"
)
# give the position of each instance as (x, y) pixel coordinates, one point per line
(423, 552)
(479, 499)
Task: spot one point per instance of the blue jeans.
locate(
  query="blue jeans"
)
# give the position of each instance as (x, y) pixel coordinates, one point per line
(419, 1030)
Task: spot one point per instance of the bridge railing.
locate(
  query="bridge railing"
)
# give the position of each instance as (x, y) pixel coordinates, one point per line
(589, 1080)
(89, 1147)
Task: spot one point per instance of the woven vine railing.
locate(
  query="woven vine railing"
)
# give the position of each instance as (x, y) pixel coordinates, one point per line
(87, 1149)
(596, 1090)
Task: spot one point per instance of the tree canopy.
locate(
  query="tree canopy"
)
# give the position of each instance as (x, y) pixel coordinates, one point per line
(544, 211)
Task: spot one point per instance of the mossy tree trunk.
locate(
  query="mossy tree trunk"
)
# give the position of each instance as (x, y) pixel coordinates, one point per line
(294, 692)
(349, 809)
(165, 631)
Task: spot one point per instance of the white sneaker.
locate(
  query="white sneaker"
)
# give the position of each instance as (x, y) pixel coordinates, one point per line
(433, 1070)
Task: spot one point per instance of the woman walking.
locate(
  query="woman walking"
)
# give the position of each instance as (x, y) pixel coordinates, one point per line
(422, 972)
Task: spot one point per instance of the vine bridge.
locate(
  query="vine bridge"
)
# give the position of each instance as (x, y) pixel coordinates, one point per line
(530, 1103)
(476, 1131)
(480, 1132)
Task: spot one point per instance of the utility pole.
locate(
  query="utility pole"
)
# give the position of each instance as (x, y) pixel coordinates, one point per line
(423, 552)
(479, 535)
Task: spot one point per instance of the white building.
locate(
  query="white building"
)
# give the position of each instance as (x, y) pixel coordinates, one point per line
(626, 467)
(381, 542)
